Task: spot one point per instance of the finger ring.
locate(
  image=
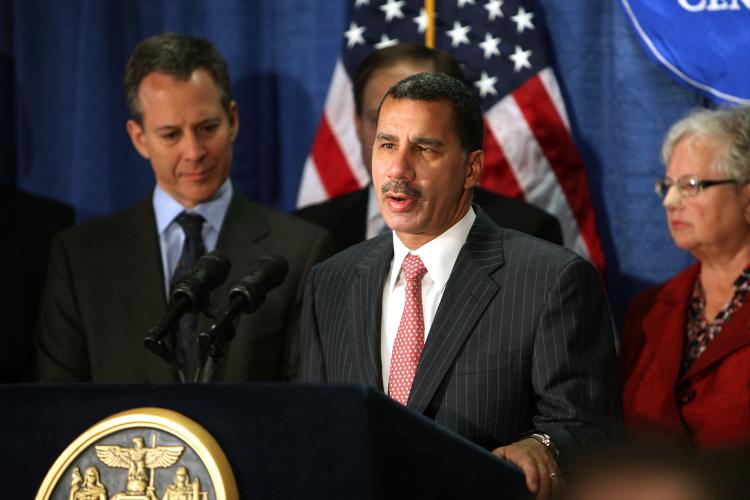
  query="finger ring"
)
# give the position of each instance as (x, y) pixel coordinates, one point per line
(553, 474)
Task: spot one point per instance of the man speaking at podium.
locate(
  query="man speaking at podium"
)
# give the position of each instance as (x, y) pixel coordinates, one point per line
(109, 280)
(501, 337)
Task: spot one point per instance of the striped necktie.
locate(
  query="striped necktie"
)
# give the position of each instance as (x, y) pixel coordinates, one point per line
(192, 249)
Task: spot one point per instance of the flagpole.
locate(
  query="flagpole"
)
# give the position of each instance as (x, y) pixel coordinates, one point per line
(429, 37)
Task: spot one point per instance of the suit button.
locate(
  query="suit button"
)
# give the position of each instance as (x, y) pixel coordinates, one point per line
(686, 395)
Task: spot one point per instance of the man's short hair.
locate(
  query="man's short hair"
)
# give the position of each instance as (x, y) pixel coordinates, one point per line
(441, 62)
(467, 114)
(177, 56)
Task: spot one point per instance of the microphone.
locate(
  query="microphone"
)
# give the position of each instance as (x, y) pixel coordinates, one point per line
(268, 273)
(189, 294)
(245, 296)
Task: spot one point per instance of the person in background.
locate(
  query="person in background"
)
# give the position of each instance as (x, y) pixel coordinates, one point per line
(27, 224)
(354, 217)
(640, 471)
(685, 354)
(109, 279)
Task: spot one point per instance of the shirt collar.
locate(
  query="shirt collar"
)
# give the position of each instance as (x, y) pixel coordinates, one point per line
(438, 255)
(167, 208)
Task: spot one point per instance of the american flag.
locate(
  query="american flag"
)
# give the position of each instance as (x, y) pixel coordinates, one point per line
(529, 150)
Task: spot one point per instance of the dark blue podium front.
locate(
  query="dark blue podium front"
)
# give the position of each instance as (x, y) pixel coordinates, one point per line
(282, 441)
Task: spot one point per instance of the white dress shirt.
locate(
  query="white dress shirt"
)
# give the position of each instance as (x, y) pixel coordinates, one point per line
(439, 257)
(171, 235)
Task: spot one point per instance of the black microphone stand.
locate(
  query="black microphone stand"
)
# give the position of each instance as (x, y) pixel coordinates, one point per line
(245, 296)
(190, 294)
(154, 342)
(154, 339)
(214, 342)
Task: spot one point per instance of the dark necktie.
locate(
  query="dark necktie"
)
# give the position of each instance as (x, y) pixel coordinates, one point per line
(192, 250)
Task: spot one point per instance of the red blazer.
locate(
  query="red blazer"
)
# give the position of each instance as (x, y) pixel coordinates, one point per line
(709, 404)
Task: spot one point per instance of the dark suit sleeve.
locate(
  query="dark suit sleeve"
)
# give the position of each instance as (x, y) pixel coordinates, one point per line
(312, 367)
(321, 249)
(574, 368)
(60, 344)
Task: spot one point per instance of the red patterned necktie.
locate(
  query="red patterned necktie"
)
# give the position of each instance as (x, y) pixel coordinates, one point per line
(407, 348)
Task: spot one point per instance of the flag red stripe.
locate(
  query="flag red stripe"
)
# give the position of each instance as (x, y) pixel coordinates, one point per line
(550, 132)
(333, 169)
(498, 175)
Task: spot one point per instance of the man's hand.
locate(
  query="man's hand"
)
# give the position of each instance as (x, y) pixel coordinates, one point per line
(538, 465)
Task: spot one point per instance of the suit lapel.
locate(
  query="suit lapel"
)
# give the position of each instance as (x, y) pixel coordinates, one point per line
(243, 225)
(734, 335)
(365, 303)
(664, 329)
(139, 285)
(468, 292)
(664, 326)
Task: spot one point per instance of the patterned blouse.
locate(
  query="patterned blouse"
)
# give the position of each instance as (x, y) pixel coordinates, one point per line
(700, 332)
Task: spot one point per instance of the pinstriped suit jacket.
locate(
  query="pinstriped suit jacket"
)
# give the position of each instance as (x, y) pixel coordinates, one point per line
(522, 338)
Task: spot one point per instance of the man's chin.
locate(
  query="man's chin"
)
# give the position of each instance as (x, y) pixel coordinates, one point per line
(199, 194)
(396, 220)
(403, 226)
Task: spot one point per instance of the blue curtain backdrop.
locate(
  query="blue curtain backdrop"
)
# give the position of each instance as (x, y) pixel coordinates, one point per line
(62, 114)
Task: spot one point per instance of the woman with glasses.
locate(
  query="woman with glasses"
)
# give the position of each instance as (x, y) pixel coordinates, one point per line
(685, 355)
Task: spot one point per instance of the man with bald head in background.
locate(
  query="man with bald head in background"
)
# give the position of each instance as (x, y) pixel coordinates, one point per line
(110, 279)
(354, 217)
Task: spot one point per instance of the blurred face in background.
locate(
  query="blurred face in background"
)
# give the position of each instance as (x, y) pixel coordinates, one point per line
(636, 485)
(377, 85)
(186, 134)
(715, 221)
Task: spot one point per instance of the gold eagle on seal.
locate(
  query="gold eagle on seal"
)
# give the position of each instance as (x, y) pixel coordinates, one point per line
(137, 459)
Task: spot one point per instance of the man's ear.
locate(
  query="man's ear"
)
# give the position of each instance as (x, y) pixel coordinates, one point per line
(234, 120)
(474, 167)
(137, 136)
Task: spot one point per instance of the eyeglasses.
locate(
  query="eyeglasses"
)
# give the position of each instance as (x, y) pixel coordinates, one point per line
(687, 185)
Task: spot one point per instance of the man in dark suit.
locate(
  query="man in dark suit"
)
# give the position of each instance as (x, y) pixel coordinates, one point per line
(503, 338)
(27, 225)
(354, 217)
(109, 280)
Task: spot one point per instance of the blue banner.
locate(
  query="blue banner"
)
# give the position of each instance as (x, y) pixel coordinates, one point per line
(702, 43)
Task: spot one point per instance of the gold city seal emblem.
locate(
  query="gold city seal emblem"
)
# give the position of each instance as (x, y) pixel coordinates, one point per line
(142, 454)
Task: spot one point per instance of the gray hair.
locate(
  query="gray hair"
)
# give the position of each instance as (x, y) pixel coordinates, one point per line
(730, 126)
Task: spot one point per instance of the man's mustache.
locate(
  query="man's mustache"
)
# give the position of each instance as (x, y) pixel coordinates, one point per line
(400, 187)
